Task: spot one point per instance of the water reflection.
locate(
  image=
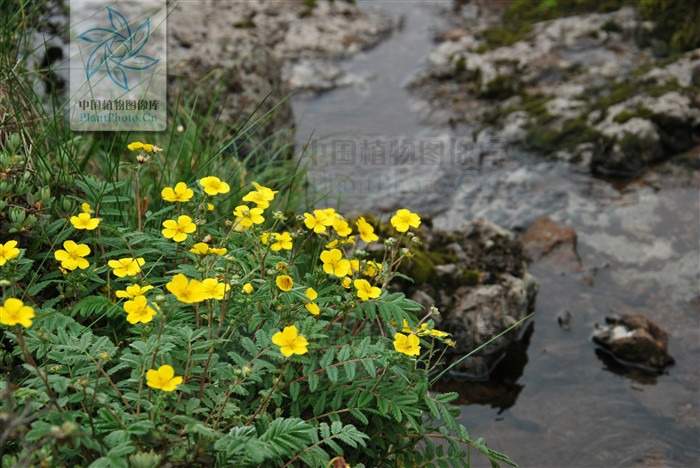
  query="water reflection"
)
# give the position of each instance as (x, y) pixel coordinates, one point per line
(637, 374)
(501, 389)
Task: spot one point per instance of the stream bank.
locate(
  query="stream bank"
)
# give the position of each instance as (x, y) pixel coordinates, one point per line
(385, 144)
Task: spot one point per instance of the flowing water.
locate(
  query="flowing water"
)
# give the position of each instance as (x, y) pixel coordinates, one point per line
(565, 404)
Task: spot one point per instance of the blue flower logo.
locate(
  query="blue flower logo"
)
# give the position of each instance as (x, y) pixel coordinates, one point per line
(118, 48)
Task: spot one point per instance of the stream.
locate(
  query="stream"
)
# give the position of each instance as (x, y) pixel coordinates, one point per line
(377, 146)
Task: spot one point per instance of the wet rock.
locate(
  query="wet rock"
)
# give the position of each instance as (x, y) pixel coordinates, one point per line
(634, 339)
(480, 294)
(318, 75)
(485, 311)
(554, 243)
(564, 319)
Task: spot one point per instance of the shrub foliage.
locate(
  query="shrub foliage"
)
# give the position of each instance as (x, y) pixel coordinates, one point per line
(198, 336)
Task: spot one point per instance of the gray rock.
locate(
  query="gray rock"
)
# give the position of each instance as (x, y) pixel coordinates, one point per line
(634, 339)
(474, 309)
(486, 311)
(202, 43)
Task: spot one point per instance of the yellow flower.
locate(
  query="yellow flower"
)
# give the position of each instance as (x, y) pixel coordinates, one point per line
(178, 194)
(126, 266)
(281, 241)
(84, 221)
(311, 294)
(334, 264)
(210, 207)
(163, 378)
(403, 219)
(138, 310)
(372, 268)
(72, 257)
(248, 216)
(284, 282)
(320, 219)
(187, 291)
(341, 227)
(178, 230)
(409, 345)
(14, 312)
(355, 265)
(290, 341)
(438, 333)
(8, 251)
(332, 244)
(261, 196)
(218, 251)
(346, 283)
(134, 146)
(267, 193)
(366, 230)
(257, 198)
(86, 208)
(200, 248)
(247, 288)
(133, 291)
(310, 306)
(213, 185)
(313, 222)
(365, 290)
(282, 266)
(213, 289)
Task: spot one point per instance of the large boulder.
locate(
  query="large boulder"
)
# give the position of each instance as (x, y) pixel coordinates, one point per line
(478, 280)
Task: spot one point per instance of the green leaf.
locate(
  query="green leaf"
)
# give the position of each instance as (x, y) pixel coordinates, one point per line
(313, 382)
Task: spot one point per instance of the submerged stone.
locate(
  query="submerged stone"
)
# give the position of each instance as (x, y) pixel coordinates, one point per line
(634, 339)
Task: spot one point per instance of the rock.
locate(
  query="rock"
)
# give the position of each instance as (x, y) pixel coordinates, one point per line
(484, 312)
(318, 75)
(585, 93)
(424, 299)
(202, 43)
(260, 47)
(478, 280)
(564, 319)
(448, 271)
(634, 339)
(556, 244)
